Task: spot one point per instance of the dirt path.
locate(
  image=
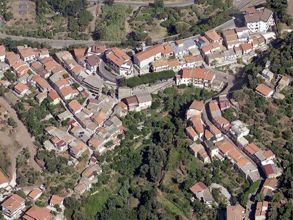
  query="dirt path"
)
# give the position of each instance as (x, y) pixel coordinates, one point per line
(290, 7)
(20, 137)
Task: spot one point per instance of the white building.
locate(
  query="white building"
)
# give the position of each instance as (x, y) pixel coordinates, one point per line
(259, 19)
(238, 129)
(198, 77)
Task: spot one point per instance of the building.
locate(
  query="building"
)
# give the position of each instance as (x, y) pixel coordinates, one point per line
(238, 129)
(259, 19)
(75, 107)
(35, 194)
(2, 53)
(4, 181)
(235, 212)
(193, 61)
(54, 97)
(202, 193)
(230, 38)
(195, 109)
(213, 37)
(26, 53)
(198, 77)
(264, 90)
(119, 61)
(144, 58)
(214, 109)
(261, 210)
(268, 188)
(92, 62)
(190, 132)
(271, 170)
(144, 101)
(197, 125)
(13, 206)
(37, 213)
(77, 149)
(56, 200)
(183, 47)
(162, 65)
(21, 89)
(246, 48)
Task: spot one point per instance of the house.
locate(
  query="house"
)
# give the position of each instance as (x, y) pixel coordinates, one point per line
(222, 123)
(54, 97)
(182, 47)
(97, 49)
(195, 109)
(235, 212)
(42, 53)
(199, 152)
(190, 132)
(259, 19)
(271, 170)
(68, 93)
(217, 134)
(224, 103)
(83, 185)
(242, 33)
(197, 125)
(230, 38)
(198, 77)
(246, 48)
(79, 54)
(238, 129)
(2, 53)
(131, 102)
(193, 61)
(21, 89)
(99, 118)
(75, 107)
(202, 193)
(58, 143)
(37, 213)
(26, 53)
(40, 83)
(261, 210)
(162, 65)
(77, 149)
(13, 206)
(91, 172)
(92, 63)
(144, 100)
(121, 109)
(268, 188)
(264, 90)
(4, 181)
(283, 82)
(210, 48)
(56, 200)
(41, 97)
(119, 61)
(213, 37)
(144, 58)
(214, 109)
(35, 194)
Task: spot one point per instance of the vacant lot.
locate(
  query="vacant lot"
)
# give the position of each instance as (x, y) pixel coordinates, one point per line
(24, 11)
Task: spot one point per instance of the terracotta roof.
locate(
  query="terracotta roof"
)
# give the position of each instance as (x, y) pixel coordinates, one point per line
(197, 125)
(214, 129)
(99, 117)
(193, 59)
(2, 50)
(213, 106)
(208, 47)
(68, 90)
(252, 148)
(79, 52)
(131, 100)
(26, 51)
(246, 46)
(94, 143)
(191, 132)
(13, 203)
(221, 120)
(37, 213)
(208, 135)
(62, 82)
(154, 50)
(93, 60)
(271, 183)
(117, 56)
(198, 187)
(197, 105)
(3, 178)
(34, 193)
(225, 146)
(235, 154)
(268, 169)
(198, 73)
(53, 95)
(212, 35)
(74, 106)
(261, 208)
(236, 212)
(20, 87)
(242, 162)
(264, 89)
(56, 200)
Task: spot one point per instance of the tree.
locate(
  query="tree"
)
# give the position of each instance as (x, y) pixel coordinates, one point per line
(109, 2)
(159, 3)
(11, 122)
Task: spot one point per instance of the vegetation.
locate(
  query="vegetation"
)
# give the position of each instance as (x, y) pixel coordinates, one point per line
(280, 8)
(149, 78)
(149, 175)
(110, 25)
(270, 121)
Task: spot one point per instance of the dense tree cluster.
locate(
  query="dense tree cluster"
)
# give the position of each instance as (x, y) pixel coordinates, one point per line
(149, 78)
(280, 8)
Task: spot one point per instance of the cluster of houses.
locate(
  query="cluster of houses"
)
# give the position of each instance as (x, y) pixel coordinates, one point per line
(212, 49)
(273, 83)
(17, 206)
(214, 137)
